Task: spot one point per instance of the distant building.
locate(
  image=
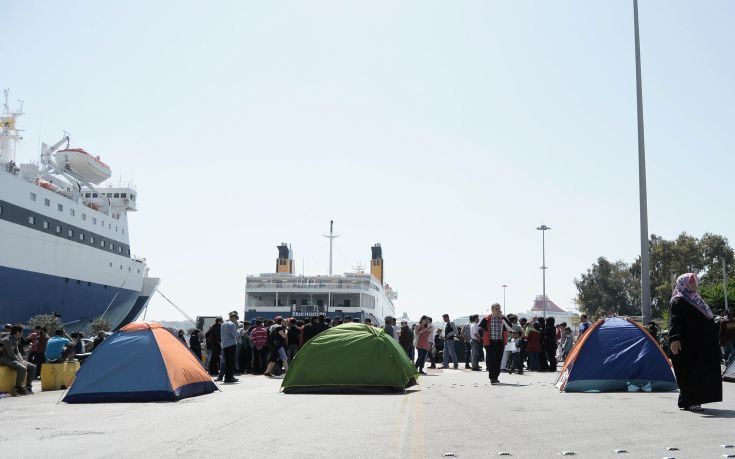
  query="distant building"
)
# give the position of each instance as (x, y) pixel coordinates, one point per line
(552, 310)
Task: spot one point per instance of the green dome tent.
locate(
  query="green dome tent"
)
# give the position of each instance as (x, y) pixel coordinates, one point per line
(350, 358)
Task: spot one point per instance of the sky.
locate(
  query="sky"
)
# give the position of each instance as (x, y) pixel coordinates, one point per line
(446, 131)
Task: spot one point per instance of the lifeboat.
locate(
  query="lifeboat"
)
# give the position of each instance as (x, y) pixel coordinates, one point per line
(83, 164)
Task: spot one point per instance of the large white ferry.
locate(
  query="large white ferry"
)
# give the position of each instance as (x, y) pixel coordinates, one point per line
(64, 242)
(358, 295)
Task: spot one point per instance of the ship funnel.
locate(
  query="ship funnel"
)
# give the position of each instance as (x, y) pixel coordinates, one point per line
(376, 263)
(284, 263)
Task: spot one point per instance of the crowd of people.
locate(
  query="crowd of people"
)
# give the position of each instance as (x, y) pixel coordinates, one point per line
(267, 347)
(524, 345)
(26, 354)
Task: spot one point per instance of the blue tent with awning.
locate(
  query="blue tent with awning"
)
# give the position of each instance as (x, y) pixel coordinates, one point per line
(616, 354)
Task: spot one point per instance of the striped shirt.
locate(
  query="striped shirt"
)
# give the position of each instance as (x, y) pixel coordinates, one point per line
(259, 336)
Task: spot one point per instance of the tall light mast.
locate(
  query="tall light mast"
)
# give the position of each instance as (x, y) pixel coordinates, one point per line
(331, 236)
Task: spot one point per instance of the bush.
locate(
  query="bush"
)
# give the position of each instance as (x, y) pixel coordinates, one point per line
(48, 321)
(100, 325)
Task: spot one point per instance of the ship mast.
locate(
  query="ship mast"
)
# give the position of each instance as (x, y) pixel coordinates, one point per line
(331, 236)
(9, 134)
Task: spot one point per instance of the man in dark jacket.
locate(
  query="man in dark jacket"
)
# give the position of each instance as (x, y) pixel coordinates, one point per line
(214, 345)
(195, 345)
(550, 343)
(405, 339)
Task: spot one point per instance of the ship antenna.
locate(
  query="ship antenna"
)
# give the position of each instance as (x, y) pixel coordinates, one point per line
(331, 236)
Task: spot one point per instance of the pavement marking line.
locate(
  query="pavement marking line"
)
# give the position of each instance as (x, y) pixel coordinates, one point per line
(399, 428)
(418, 450)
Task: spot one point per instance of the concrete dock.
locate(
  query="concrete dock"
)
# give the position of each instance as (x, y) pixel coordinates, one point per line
(451, 412)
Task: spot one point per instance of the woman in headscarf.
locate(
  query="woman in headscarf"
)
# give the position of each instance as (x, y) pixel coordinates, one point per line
(694, 346)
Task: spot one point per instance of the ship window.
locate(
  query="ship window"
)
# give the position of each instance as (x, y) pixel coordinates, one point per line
(94, 221)
(129, 269)
(120, 267)
(84, 217)
(94, 195)
(102, 243)
(123, 195)
(78, 282)
(71, 233)
(132, 196)
(87, 195)
(45, 225)
(110, 267)
(81, 236)
(123, 231)
(1, 210)
(32, 220)
(119, 249)
(33, 196)
(89, 284)
(72, 212)
(109, 195)
(91, 239)
(116, 228)
(60, 207)
(58, 229)
(116, 195)
(47, 202)
(139, 271)
(109, 226)
(112, 247)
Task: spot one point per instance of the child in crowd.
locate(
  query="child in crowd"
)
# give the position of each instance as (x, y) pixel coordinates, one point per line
(515, 354)
(567, 343)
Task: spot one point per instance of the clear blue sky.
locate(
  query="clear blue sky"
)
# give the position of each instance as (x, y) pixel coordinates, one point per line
(447, 131)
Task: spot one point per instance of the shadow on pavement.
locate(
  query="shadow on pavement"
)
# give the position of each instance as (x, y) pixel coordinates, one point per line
(717, 413)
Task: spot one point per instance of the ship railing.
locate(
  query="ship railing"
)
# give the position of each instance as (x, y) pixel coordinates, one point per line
(299, 285)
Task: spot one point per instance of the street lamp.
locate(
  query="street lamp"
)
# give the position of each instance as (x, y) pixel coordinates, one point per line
(724, 284)
(543, 229)
(643, 205)
(504, 287)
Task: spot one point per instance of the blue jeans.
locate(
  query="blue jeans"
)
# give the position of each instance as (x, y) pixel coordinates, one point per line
(476, 353)
(421, 358)
(533, 361)
(450, 351)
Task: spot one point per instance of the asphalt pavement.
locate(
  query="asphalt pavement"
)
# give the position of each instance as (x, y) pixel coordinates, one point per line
(452, 413)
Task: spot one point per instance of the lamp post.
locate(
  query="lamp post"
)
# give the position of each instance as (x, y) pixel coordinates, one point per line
(543, 229)
(643, 206)
(504, 287)
(724, 284)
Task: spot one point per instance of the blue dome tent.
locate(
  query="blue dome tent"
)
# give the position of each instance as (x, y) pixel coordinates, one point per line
(616, 355)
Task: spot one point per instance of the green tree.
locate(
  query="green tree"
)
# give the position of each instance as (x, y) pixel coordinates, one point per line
(607, 288)
(48, 321)
(714, 295)
(100, 325)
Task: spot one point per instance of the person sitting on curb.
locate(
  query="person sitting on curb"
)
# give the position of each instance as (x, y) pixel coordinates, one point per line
(59, 347)
(10, 356)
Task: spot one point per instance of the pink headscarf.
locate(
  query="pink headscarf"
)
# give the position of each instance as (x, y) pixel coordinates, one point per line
(686, 287)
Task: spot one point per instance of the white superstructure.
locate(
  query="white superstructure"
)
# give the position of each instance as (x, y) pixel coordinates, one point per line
(65, 246)
(357, 295)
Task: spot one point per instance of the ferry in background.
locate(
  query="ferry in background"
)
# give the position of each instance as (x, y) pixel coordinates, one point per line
(64, 244)
(359, 295)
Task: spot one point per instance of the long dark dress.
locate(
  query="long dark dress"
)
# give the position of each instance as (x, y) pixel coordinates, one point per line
(697, 366)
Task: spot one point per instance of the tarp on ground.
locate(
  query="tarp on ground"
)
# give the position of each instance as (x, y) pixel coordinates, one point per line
(616, 354)
(350, 358)
(142, 362)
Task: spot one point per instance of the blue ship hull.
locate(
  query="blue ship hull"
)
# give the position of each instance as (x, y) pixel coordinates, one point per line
(24, 294)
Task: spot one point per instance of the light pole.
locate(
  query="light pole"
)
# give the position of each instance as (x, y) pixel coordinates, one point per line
(645, 270)
(724, 284)
(543, 229)
(504, 287)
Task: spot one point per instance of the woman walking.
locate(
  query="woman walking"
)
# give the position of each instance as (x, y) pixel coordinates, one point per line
(422, 343)
(694, 346)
